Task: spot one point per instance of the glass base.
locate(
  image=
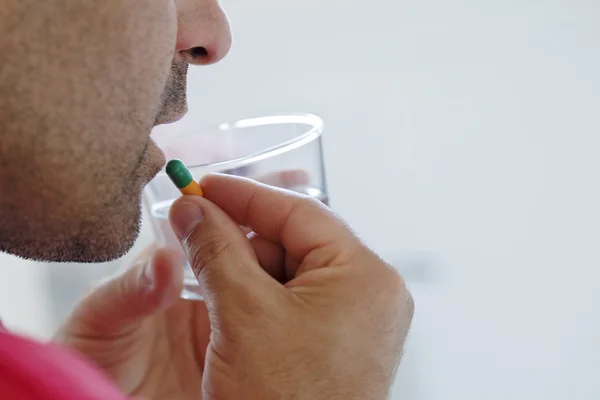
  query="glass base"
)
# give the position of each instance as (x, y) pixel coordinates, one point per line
(191, 290)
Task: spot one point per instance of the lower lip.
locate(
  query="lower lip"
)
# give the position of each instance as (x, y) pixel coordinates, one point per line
(156, 157)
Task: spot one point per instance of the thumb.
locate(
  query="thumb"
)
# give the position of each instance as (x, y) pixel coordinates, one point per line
(152, 283)
(220, 255)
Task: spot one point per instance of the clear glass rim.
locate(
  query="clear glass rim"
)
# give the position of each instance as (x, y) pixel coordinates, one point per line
(314, 132)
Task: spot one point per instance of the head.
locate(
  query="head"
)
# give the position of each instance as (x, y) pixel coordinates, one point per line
(82, 84)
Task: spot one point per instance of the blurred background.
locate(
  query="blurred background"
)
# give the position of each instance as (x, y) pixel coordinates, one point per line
(462, 143)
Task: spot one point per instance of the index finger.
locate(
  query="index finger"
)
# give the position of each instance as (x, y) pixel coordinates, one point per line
(298, 222)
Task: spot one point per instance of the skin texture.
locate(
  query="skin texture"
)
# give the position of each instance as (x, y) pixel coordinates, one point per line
(296, 306)
(82, 83)
(293, 310)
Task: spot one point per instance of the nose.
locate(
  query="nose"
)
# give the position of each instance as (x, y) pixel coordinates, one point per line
(204, 35)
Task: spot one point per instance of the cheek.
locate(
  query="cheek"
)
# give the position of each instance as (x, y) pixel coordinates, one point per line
(85, 90)
(149, 50)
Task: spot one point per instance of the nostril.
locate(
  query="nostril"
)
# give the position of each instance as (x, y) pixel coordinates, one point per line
(198, 53)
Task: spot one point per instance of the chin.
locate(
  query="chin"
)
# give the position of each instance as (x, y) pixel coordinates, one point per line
(103, 244)
(95, 243)
(98, 249)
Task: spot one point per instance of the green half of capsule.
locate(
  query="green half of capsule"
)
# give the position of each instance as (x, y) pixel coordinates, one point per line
(179, 174)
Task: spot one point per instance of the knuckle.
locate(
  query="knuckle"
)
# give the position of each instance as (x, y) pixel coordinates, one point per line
(396, 301)
(302, 202)
(395, 281)
(396, 287)
(313, 202)
(207, 250)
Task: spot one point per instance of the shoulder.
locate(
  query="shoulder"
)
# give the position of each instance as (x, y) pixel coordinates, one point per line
(34, 370)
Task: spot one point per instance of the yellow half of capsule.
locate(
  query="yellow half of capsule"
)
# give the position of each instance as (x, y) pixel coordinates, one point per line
(193, 189)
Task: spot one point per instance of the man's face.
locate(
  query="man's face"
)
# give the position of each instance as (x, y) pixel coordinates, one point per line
(82, 83)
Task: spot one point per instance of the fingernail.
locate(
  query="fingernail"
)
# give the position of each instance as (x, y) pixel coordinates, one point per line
(184, 218)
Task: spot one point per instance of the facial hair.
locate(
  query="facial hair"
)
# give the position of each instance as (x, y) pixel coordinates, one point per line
(173, 100)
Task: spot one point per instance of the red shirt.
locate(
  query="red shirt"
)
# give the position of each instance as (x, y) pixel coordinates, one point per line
(31, 370)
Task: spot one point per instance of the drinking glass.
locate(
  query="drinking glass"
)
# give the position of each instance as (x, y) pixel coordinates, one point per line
(279, 150)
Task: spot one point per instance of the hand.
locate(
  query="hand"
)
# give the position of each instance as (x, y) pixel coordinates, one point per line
(300, 310)
(138, 330)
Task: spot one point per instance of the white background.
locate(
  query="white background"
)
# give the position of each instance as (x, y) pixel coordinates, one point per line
(462, 143)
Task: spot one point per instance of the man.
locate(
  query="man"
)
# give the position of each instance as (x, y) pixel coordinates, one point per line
(298, 309)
